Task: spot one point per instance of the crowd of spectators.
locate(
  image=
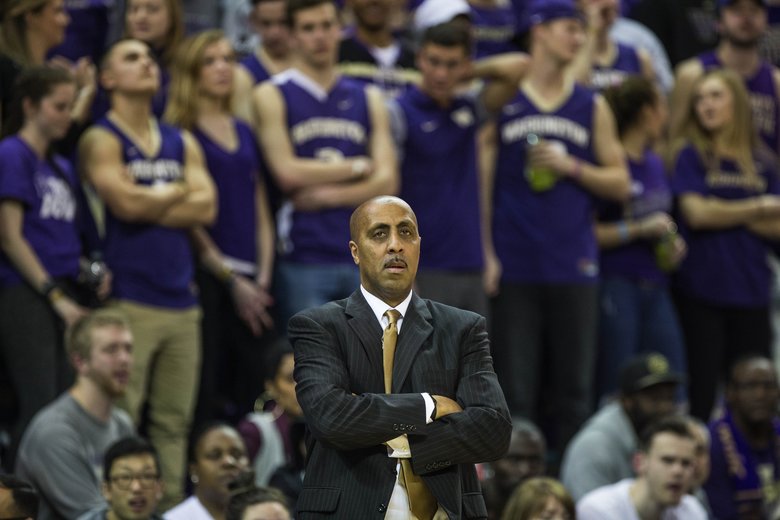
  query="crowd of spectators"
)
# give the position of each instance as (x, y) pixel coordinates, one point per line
(599, 178)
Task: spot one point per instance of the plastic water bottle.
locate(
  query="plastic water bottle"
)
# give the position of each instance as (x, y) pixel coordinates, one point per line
(539, 178)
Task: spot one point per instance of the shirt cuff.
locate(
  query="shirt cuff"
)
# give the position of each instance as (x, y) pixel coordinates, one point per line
(429, 407)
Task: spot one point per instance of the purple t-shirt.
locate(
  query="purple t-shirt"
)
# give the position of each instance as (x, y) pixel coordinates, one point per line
(235, 174)
(763, 98)
(49, 201)
(439, 179)
(723, 266)
(494, 29)
(152, 264)
(626, 64)
(650, 192)
(87, 32)
(326, 126)
(544, 237)
(255, 67)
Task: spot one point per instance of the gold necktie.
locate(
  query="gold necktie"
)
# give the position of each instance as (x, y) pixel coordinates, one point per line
(421, 502)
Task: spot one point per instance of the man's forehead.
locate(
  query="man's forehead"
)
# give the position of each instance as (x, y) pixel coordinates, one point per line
(126, 48)
(134, 460)
(669, 443)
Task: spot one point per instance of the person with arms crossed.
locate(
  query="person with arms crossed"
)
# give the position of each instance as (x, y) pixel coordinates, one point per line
(336, 153)
(396, 429)
(152, 180)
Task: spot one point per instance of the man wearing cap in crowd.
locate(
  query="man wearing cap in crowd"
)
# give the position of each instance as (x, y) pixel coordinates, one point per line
(602, 451)
(744, 479)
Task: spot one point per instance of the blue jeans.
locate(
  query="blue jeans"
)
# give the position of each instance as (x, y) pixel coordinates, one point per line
(635, 317)
(301, 286)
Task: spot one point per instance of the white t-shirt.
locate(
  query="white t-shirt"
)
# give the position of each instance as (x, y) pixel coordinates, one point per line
(190, 509)
(614, 503)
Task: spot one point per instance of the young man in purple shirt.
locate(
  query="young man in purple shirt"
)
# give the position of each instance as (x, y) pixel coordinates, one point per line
(436, 133)
(336, 153)
(557, 148)
(153, 182)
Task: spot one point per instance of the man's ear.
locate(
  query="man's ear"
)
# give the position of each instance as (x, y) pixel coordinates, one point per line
(106, 490)
(353, 249)
(639, 463)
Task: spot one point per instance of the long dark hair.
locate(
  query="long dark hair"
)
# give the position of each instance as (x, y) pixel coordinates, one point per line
(33, 84)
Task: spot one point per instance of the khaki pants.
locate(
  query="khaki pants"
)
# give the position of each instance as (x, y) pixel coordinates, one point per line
(166, 366)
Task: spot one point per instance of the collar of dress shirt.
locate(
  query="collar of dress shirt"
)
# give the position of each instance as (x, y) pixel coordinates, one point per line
(379, 307)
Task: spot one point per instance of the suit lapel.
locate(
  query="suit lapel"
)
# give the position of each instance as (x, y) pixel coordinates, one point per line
(415, 330)
(365, 325)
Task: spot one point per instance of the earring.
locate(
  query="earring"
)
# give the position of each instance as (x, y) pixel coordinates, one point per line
(194, 479)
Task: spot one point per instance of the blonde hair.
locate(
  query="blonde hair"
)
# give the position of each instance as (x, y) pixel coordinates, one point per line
(740, 132)
(182, 108)
(79, 341)
(175, 32)
(13, 29)
(531, 496)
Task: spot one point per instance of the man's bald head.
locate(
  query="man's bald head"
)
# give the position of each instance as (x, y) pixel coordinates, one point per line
(385, 246)
(358, 219)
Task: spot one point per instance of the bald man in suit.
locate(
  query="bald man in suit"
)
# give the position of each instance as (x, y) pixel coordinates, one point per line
(445, 400)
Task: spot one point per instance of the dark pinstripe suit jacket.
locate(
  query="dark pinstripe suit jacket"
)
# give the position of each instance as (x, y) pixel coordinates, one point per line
(338, 368)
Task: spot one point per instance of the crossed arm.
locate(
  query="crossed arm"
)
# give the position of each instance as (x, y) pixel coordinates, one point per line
(346, 421)
(173, 204)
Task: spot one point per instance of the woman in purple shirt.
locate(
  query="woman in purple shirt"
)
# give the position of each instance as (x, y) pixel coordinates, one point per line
(39, 243)
(638, 243)
(237, 251)
(727, 196)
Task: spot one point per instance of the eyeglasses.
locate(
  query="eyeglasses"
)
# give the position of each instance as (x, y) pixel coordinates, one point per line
(125, 480)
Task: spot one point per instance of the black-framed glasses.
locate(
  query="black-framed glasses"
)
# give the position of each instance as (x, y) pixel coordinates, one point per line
(124, 481)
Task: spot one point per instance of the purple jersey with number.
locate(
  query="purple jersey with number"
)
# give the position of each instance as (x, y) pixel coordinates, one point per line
(152, 264)
(724, 266)
(494, 30)
(47, 195)
(626, 64)
(327, 126)
(255, 68)
(763, 98)
(650, 193)
(235, 173)
(439, 179)
(544, 236)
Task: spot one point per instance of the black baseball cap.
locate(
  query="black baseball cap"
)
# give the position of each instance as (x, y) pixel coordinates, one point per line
(645, 371)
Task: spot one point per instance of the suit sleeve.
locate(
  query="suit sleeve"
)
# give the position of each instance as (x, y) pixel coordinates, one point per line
(479, 433)
(333, 413)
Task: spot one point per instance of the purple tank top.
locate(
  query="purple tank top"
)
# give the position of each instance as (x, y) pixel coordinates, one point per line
(326, 126)
(256, 68)
(626, 64)
(152, 264)
(235, 174)
(494, 30)
(544, 237)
